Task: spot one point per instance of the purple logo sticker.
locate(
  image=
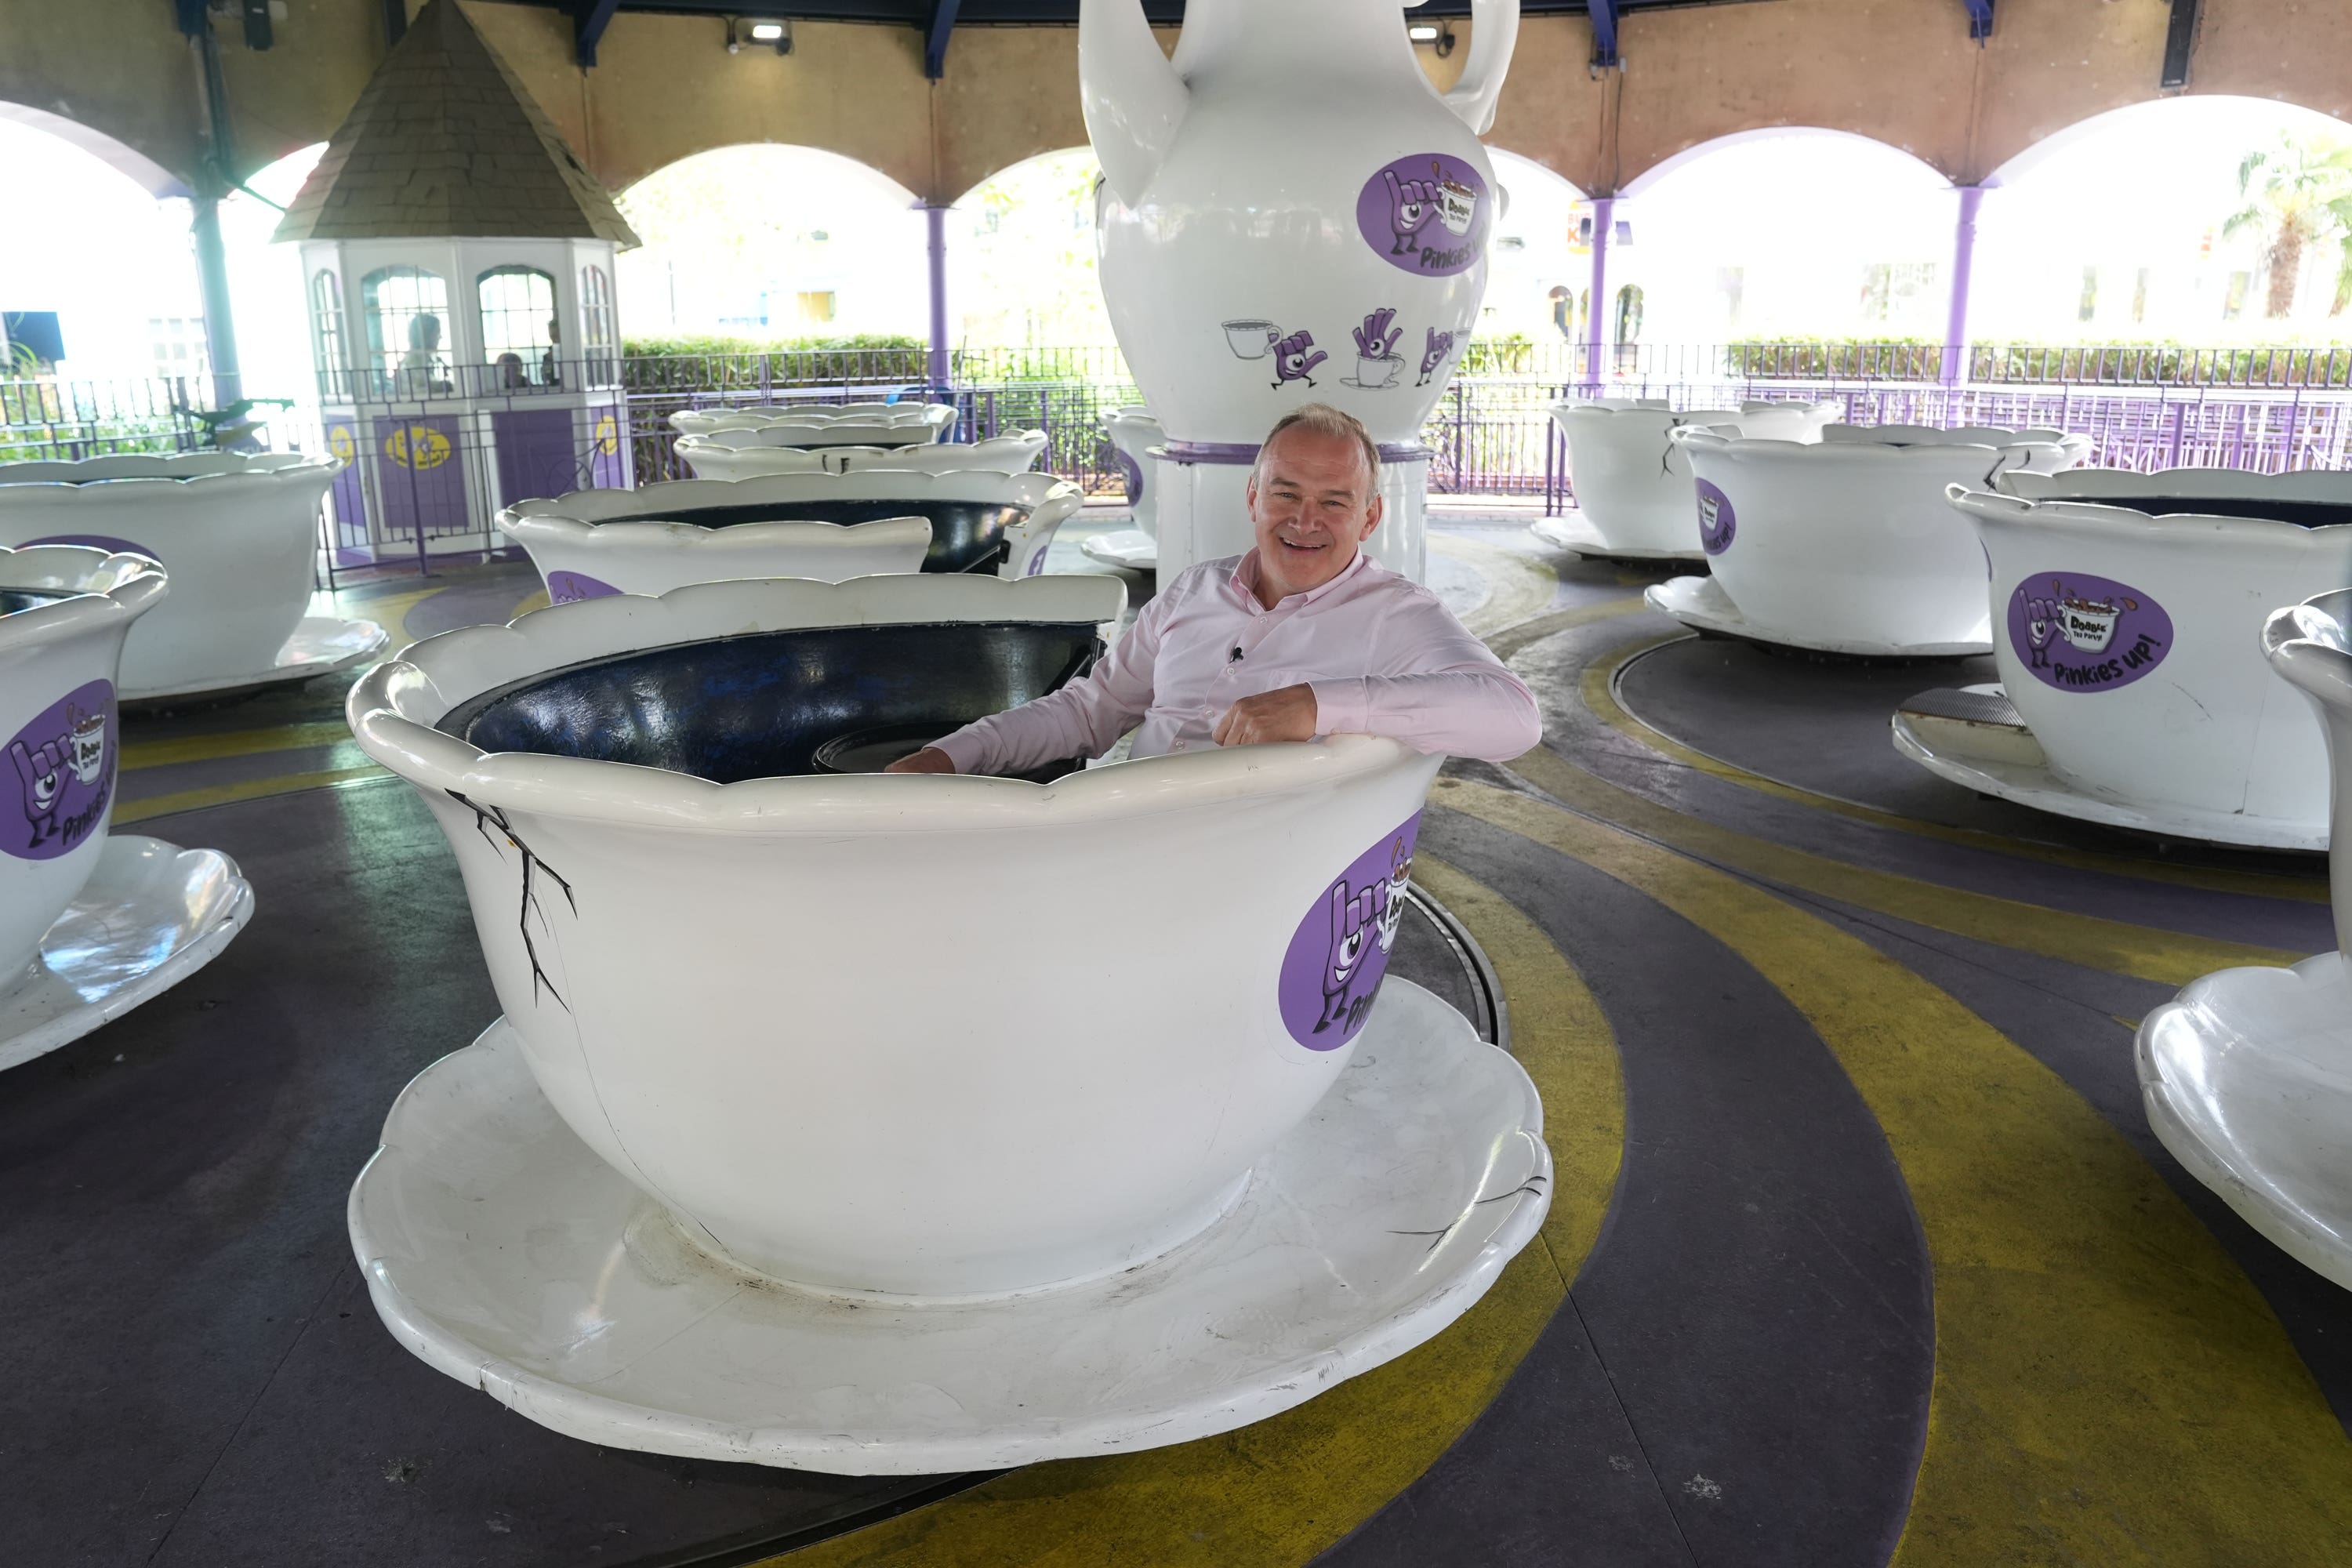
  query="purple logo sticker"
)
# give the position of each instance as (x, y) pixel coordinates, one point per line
(2080, 633)
(95, 542)
(1717, 521)
(63, 763)
(1341, 951)
(1426, 215)
(568, 587)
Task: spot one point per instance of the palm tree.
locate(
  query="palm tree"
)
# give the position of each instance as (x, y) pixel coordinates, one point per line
(2297, 195)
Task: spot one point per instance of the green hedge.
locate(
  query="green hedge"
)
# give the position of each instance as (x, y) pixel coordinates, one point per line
(729, 364)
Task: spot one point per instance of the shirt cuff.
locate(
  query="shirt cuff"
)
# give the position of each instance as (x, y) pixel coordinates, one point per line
(1341, 706)
(965, 748)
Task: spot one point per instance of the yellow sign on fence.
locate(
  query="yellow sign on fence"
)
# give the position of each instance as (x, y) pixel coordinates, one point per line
(427, 447)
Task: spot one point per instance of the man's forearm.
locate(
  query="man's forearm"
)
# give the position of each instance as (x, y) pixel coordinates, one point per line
(1488, 714)
(1058, 725)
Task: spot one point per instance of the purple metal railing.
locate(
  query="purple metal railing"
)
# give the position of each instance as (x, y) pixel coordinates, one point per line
(2142, 428)
(2142, 407)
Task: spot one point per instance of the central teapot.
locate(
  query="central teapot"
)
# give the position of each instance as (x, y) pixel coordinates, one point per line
(1290, 212)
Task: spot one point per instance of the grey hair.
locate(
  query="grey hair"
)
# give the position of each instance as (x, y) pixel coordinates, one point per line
(1325, 420)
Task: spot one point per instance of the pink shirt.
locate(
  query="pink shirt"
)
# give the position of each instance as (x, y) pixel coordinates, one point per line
(1382, 655)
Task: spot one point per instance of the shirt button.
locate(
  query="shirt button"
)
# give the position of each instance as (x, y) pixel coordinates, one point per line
(1181, 745)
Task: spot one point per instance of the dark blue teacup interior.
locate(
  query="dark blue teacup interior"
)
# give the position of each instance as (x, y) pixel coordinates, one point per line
(12, 600)
(2303, 513)
(966, 535)
(761, 705)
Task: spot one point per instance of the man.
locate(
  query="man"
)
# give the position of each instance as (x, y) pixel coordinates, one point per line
(1304, 636)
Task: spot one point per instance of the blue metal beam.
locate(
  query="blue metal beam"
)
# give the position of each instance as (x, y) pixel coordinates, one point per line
(936, 34)
(2179, 39)
(1604, 34)
(1979, 18)
(589, 20)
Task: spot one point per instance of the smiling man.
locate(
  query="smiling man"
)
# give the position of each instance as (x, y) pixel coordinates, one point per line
(1304, 636)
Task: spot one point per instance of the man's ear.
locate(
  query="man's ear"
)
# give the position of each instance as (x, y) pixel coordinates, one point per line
(1371, 518)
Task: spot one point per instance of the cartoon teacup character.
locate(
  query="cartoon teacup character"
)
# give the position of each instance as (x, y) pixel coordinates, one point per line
(1251, 339)
(1353, 920)
(1439, 344)
(1392, 904)
(1412, 204)
(41, 770)
(2090, 623)
(1295, 356)
(89, 745)
(2041, 624)
(1376, 367)
(1457, 204)
(1362, 923)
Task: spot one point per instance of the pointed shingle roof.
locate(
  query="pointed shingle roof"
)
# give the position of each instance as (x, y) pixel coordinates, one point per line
(445, 142)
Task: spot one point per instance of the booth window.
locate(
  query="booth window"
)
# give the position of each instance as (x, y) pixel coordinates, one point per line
(600, 352)
(407, 311)
(326, 320)
(520, 338)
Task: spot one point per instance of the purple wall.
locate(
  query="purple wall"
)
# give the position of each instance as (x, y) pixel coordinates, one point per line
(538, 454)
(426, 489)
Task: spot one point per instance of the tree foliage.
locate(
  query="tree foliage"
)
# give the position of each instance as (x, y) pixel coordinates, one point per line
(2297, 195)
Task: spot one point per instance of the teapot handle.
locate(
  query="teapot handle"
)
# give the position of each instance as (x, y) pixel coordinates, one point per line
(1494, 33)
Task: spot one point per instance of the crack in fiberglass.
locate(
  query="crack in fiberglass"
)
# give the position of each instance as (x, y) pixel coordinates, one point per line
(487, 817)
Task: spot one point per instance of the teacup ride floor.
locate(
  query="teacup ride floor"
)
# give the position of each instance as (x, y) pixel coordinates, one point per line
(1860, 1248)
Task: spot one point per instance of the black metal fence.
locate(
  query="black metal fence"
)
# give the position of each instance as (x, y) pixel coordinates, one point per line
(75, 419)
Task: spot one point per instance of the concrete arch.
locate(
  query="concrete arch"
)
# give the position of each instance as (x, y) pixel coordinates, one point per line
(1665, 167)
(843, 164)
(2026, 162)
(128, 161)
(1512, 168)
(1014, 167)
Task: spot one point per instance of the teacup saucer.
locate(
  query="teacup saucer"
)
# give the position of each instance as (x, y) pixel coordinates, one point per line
(1574, 532)
(150, 915)
(1129, 547)
(2248, 1080)
(1972, 736)
(320, 645)
(503, 1252)
(1701, 603)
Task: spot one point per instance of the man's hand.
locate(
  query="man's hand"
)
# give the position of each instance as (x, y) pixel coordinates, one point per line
(1288, 714)
(930, 760)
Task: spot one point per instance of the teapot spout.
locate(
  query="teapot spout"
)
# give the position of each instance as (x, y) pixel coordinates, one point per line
(1133, 99)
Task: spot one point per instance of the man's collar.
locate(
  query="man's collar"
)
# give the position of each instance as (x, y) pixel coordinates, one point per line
(1246, 579)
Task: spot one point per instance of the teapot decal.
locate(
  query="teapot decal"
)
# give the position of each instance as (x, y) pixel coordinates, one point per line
(1289, 183)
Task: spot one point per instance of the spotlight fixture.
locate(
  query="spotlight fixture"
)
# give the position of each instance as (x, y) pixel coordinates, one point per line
(776, 34)
(1438, 34)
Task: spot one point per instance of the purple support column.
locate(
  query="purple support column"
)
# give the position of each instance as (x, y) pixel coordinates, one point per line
(1604, 212)
(1964, 255)
(935, 222)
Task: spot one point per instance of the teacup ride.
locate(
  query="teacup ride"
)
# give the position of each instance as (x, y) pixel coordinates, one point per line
(2247, 1074)
(1846, 546)
(827, 526)
(91, 924)
(2102, 578)
(1633, 486)
(824, 1214)
(751, 454)
(239, 536)
(1133, 432)
(828, 425)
